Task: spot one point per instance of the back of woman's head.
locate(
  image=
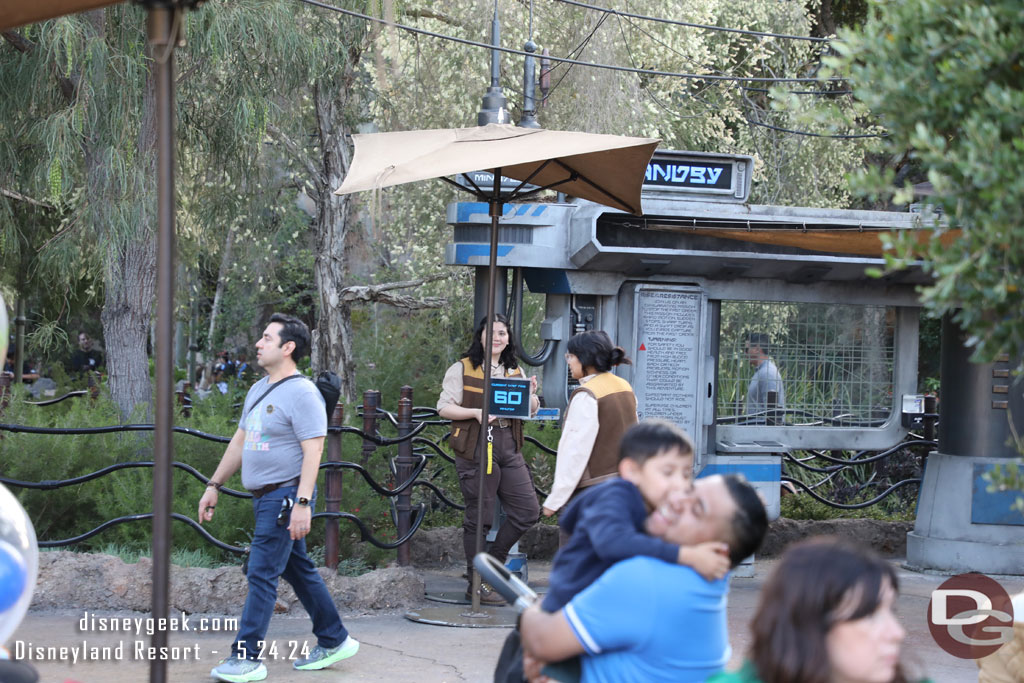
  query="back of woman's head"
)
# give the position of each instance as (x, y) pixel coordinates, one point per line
(817, 584)
(594, 349)
(475, 354)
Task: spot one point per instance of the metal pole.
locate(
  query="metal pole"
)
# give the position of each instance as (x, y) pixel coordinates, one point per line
(160, 26)
(404, 465)
(495, 205)
(332, 489)
(19, 338)
(371, 399)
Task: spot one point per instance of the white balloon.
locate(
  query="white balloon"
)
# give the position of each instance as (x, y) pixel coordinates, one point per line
(19, 563)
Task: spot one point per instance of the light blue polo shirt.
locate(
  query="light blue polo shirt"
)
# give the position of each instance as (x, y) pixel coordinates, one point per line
(646, 620)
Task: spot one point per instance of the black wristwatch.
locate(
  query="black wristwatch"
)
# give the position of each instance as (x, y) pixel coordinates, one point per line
(304, 502)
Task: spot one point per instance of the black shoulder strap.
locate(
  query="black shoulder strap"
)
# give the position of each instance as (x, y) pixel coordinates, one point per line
(273, 386)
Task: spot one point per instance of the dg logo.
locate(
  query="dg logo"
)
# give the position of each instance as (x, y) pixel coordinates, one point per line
(970, 616)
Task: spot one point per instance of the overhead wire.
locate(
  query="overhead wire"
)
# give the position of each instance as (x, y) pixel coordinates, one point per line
(705, 27)
(614, 67)
(595, 65)
(710, 106)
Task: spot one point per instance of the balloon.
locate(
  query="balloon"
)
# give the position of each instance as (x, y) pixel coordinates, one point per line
(19, 563)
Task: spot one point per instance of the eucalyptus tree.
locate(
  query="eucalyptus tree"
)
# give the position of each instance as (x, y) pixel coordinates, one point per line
(79, 116)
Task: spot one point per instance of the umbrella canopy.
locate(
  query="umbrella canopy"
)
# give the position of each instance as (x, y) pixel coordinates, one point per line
(14, 13)
(607, 169)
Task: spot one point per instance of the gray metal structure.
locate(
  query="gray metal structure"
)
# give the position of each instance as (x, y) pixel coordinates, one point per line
(666, 287)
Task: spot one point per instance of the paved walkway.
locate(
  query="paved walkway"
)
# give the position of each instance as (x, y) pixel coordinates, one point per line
(394, 648)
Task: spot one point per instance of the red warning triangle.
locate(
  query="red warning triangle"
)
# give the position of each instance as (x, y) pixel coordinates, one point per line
(642, 347)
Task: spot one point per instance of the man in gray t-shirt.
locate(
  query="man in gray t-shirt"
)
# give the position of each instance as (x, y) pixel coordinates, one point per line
(766, 379)
(278, 446)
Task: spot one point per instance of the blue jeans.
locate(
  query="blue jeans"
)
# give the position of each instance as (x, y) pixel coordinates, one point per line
(273, 555)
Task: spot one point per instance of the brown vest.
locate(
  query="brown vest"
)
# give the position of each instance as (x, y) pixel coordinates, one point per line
(616, 412)
(466, 433)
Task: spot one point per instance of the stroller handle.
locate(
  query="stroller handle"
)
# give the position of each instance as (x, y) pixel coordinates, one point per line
(508, 586)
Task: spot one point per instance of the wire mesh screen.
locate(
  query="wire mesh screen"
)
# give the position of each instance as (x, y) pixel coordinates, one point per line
(807, 365)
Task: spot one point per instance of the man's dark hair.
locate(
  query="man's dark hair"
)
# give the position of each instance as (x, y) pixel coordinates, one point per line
(293, 330)
(594, 349)
(648, 438)
(760, 339)
(750, 521)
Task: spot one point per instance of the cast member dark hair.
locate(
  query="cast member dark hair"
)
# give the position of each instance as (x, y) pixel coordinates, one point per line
(649, 438)
(818, 583)
(293, 330)
(594, 349)
(475, 354)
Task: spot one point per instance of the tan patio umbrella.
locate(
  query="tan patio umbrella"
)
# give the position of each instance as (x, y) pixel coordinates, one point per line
(606, 169)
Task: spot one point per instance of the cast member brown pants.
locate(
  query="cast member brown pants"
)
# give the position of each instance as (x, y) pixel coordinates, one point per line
(511, 483)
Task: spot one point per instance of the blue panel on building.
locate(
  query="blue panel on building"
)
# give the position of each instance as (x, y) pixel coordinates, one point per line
(467, 210)
(464, 252)
(547, 281)
(753, 472)
(995, 507)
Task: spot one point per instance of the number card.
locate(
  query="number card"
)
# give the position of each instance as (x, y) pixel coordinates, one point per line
(510, 398)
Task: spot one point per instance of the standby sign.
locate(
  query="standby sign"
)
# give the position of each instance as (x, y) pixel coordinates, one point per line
(689, 174)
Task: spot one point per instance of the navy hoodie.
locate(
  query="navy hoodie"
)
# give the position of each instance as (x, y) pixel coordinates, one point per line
(606, 524)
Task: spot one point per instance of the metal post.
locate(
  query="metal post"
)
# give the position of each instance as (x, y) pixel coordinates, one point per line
(404, 465)
(931, 404)
(160, 32)
(371, 400)
(332, 489)
(771, 403)
(19, 340)
(495, 205)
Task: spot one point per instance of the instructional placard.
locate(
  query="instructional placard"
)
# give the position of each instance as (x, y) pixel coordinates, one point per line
(667, 356)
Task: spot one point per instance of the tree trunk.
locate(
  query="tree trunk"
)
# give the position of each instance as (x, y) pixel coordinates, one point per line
(130, 282)
(218, 296)
(332, 338)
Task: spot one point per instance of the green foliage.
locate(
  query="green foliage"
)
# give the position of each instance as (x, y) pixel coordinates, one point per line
(945, 79)
(802, 506)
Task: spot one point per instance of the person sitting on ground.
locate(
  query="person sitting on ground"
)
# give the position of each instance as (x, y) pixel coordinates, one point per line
(825, 616)
(648, 620)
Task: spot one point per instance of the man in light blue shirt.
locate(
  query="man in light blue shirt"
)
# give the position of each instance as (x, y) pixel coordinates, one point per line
(648, 620)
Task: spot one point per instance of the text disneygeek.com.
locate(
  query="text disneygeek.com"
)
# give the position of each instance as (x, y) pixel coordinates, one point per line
(141, 649)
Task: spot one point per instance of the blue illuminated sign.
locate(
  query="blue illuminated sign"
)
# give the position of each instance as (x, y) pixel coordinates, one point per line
(510, 397)
(691, 174)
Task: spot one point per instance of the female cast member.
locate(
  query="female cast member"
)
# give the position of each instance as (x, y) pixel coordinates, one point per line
(599, 413)
(508, 479)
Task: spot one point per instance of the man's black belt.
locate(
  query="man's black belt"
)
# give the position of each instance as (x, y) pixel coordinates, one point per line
(264, 490)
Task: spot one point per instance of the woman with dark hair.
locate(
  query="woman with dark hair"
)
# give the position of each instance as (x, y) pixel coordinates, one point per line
(599, 413)
(826, 616)
(506, 478)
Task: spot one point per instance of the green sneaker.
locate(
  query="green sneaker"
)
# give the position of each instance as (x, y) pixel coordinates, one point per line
(237, 670)
(320, 657)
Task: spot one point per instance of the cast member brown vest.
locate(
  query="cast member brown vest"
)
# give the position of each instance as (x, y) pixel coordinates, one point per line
(616, 412)
(466, 433)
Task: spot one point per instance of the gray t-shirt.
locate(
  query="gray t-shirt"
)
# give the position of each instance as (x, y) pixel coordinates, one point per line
(275, 428)
(767, 378)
